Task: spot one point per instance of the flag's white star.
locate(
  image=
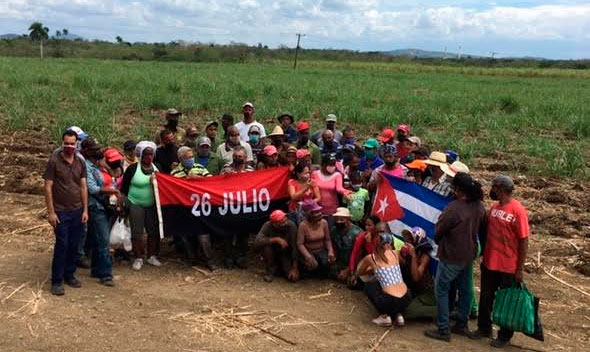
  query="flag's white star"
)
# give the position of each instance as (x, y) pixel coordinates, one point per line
(382, 205)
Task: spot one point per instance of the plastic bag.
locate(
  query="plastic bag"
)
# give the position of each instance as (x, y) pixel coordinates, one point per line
(514, 309)
(121, 234)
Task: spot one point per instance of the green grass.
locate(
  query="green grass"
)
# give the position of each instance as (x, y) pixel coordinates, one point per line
(538, 117)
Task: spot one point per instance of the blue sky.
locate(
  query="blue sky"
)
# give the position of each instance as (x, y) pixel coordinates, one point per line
(552, 29)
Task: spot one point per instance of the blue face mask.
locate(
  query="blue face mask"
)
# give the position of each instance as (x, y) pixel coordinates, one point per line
(188, 163)
(349, 141)
(254, 138)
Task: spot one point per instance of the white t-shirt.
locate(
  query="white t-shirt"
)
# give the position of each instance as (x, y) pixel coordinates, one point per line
(244, 128)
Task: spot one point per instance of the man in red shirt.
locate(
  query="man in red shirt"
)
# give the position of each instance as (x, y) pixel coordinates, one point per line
(504, 254)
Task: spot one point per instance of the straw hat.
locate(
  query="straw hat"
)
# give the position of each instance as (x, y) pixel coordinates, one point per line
(437, 159)
(454, 168)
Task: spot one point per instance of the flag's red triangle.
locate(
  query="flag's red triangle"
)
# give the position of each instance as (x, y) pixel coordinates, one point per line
(386, 206)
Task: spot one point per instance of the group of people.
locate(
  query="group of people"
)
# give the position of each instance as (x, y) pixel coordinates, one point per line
(326, 230)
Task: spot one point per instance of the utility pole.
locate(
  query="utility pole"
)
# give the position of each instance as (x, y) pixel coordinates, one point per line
(299, 35)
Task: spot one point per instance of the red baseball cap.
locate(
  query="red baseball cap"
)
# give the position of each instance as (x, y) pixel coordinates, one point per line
(302, 126)
(386, 135)
(111, 155)
(404, 127)
(277, 215)
(270, 150)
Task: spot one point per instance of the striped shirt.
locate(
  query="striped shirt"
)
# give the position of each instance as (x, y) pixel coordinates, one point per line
(442, 187)
(197, 171)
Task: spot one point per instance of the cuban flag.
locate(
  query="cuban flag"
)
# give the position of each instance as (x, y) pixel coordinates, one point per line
(404, 204)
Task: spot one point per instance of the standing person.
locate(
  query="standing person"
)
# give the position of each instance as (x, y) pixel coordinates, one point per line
(329, 182)
(437, 181)
(303, 142)
(211, 133)
(327, 144)
(371, 160)
(268, 158)
(191, 138)
(389, 294)
(402, 135)
(167, 153)
(249, 121)
(387, 137)
(348, 137)
(277, 241)
(286, 120)
(172, 119)
(99, 223)
(504, 254)
(343, 234)
(187, 167)
(129, 153)
(66, 197)
(255, 142)
(236, 253)
(226, 121)
(205, 157)
(137, 186)
(331, 120)
(314, 243)
(226, 149)
(456, 235)
(278, 137)
(113, 173)
(391, 166)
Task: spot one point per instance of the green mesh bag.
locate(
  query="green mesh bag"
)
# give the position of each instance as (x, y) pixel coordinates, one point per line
(514, 309)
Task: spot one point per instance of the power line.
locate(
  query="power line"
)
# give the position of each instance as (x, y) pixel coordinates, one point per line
(299, 35)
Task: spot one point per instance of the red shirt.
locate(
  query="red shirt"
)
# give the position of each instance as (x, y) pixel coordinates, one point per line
(507, 225)
(309, 194)
(361, 247)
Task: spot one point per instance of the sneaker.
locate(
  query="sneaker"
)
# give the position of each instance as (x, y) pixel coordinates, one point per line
(137, 264)
(382, 320)
(107, 282)
(153, 261)
(73, 282)
(57, 289)
(399, 320)
(499, 343)
(478, 334)
(437, 334)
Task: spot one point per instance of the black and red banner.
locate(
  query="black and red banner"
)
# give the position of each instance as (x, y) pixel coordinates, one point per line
(221, 205)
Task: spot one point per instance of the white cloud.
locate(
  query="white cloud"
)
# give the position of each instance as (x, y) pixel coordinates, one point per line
(367, 24)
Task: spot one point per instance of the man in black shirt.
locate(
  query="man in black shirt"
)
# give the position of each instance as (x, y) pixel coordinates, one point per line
(166, 155)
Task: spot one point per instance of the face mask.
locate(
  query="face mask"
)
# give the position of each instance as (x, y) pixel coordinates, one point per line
(114, 166)
(235, 140)
(169, 145)
(254, 138)
(277, 142)
(350, 141)
(316, 217)
(370, 154)
(303, 140)
(356, 187)
(69, 150)
(328, 144)
(340, 225)
(493, 195)
(203, 153)
(188, 163)
(238, 162)
(331, 169)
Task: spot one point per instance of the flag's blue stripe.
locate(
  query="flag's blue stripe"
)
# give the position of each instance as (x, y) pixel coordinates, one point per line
(415, 190)
(412, 220)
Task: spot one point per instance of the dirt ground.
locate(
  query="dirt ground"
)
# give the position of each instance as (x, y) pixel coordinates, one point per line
(178, 308)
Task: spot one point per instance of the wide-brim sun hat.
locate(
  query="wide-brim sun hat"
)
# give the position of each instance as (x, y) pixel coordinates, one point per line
(454, 168)
(436, 158)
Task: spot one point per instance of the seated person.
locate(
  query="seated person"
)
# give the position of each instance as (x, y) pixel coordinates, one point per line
(389, 293)
(314, 242)
(365, 244)
(343, 234)
(416, 273)
(277, 241)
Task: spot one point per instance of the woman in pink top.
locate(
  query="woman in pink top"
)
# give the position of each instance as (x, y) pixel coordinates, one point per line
(330, 183)
(314, 243)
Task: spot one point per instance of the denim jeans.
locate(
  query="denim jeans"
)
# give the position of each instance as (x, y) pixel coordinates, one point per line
(445, 274)
(99, 228)
(65, 252)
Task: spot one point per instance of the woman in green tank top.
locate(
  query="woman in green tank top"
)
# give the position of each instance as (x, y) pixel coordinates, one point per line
(137, 185)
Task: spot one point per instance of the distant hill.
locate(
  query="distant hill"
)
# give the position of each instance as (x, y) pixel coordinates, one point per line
(425, 54)
(9, 36)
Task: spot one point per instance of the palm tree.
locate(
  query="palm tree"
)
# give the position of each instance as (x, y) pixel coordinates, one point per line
(38, 33)
(57, 34)
(65, 32)
(119, 39)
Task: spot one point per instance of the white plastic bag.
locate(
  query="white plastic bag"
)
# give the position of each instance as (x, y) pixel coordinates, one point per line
(121, 234)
